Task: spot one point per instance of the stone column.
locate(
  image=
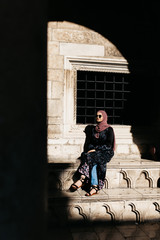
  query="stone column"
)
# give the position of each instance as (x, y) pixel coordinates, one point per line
(23, 120)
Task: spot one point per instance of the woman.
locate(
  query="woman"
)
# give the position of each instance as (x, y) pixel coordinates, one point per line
(101, 150)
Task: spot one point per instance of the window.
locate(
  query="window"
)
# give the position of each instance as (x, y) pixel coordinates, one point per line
(101, 90)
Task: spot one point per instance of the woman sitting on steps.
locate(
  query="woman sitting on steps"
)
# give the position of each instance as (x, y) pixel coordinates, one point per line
(101, 150)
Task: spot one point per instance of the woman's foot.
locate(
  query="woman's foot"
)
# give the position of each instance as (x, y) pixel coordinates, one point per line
(94, 190)
(77, 184)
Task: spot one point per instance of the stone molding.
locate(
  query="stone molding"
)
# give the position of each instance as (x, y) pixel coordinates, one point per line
(96, 64)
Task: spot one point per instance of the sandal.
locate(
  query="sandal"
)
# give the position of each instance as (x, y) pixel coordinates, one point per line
(74, 187)
(95, 187)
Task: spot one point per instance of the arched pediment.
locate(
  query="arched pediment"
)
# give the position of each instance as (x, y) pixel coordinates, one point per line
(93, 42)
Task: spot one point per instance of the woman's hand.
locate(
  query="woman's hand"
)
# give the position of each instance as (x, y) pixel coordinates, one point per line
(93, 150)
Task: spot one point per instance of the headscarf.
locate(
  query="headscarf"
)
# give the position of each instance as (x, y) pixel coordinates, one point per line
(101, 126)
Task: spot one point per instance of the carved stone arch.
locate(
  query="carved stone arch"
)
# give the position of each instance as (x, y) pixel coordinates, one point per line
(126, 178)
(157, 206)
(137, 213)
(143, 177)
(106, 182)
(81, 212)
(76, 212)
(110, 212)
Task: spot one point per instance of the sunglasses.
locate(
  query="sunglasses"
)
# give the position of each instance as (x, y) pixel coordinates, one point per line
(99, 116)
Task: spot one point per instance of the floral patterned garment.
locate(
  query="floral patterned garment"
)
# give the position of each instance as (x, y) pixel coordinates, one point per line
(103, 154)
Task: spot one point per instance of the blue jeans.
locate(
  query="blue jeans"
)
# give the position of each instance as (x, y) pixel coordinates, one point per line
(94, 178)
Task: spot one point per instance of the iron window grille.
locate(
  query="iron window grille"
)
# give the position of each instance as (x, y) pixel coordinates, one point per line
(101, 90)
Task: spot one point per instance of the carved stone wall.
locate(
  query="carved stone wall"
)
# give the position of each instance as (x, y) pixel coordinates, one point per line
(126, 174)
(129, 194)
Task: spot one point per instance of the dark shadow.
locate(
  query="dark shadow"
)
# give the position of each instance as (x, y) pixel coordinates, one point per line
(158, 183)
(57, 202)
(143, 114)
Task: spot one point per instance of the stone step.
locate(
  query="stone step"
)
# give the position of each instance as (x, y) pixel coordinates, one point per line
(131, 193)
(113, 205)
(121, 173)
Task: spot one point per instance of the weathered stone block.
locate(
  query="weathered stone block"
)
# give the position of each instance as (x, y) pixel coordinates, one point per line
(76, 36)
(55, 75)
(75, 49)
(53, 48)
(134, 149)
(54, 150)
(53, 110)
(124, 149)
(57, 90)
(55, 61)
(72, 150)
(55, 120)
(52, 24)
(112, 177)
(54, 129)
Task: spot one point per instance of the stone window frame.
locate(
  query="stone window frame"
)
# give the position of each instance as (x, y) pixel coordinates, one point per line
(71, 65)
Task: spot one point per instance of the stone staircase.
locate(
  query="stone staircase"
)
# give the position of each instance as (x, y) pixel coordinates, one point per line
(131, 193)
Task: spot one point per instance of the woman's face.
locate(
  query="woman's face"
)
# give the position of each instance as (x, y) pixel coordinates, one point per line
(99, 117)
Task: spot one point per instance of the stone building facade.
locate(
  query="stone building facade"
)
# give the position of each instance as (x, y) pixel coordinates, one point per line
(72, 48)
(131, 190)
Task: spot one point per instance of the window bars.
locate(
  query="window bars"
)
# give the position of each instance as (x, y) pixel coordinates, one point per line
(101, 90)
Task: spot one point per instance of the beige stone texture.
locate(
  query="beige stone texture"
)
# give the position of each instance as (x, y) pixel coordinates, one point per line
(112, 177)
(53, 48)
(55, 61)
(55, 75)
(53, 110)
(70, 25)
(55, 120)
(79, 211)
(57, 90)
(128, 214)
(54, 150)
(142, 181)
(54, 129)
(151, 212)
(124, 149)
(134, 149)
(72, 150)
(52, 24)
(99, 212)
(75, 49)
(70, 32)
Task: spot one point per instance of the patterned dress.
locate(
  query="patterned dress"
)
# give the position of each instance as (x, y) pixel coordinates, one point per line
(103, 153)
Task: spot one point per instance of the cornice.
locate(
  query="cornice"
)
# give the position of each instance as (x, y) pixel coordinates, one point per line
(118, 65)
